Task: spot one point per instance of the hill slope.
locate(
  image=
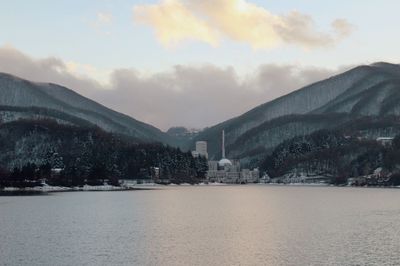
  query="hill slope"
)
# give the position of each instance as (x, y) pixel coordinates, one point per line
(372, 90)
(20, 98)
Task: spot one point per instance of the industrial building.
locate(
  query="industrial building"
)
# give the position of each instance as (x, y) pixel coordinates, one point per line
(226, 170)
(201, 149)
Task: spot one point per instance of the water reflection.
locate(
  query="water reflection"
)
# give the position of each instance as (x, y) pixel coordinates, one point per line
(225, 225)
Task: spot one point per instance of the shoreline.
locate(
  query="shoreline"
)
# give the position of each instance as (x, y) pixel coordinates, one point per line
(85, 188)
(152, 186)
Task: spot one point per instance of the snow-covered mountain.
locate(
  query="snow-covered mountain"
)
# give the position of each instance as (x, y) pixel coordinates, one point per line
(369, 90)
(21, 98)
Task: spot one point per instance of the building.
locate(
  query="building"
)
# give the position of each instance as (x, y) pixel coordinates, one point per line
(250, 176)
(213, 165)
(385, 141)
(195, 154)
(265, 179)
(229, 171)
(155, 173)
(201, 149)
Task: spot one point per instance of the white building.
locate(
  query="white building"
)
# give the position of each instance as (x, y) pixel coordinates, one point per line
(250, 176)
(201, 148)
(195, 154)
(385, 141)
(229, 171)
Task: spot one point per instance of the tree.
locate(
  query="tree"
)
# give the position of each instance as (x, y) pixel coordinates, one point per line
(44, 171)
(28, 171)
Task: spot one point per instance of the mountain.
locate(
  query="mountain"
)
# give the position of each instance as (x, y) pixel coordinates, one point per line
(21, 98)
(368, 90)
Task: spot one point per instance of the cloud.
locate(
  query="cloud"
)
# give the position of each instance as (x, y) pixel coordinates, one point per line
(49, 69)
(210, 21)
(342, 27)
(104, 18)
(86, 71)
(274, 80)
(174, 22)
(188, 95)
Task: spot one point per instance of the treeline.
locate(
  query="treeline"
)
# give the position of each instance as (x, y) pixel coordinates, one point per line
(34, 151)
(31, 111)
(331, 153)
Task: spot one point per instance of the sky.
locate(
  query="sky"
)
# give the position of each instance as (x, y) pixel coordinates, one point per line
(192, 63)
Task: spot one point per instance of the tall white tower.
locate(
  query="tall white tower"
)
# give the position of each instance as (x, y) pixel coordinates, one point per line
(223, 144)
(223, 162)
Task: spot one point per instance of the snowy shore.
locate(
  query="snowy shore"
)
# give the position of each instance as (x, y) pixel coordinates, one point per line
(149, 186)
(47, 188)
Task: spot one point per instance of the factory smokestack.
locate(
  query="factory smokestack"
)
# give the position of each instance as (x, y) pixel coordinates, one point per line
(223, 144)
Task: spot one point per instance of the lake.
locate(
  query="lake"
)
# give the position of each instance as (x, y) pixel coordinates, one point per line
(204, 225)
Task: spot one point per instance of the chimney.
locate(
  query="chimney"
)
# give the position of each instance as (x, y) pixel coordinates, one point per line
(223, 144)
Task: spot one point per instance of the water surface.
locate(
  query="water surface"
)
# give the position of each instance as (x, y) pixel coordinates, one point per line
(204, 225)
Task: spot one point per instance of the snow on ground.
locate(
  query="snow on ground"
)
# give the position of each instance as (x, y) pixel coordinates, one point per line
(47, 188)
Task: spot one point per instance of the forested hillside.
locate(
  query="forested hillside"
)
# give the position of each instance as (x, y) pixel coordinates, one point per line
(333, 154)
(87, 155)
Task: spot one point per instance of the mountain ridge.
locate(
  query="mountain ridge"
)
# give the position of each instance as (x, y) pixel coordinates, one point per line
(18, 92)
(363, 91)
(367, 90)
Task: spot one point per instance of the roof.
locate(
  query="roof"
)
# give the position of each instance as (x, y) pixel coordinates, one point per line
(224, 162)
(385, 138)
